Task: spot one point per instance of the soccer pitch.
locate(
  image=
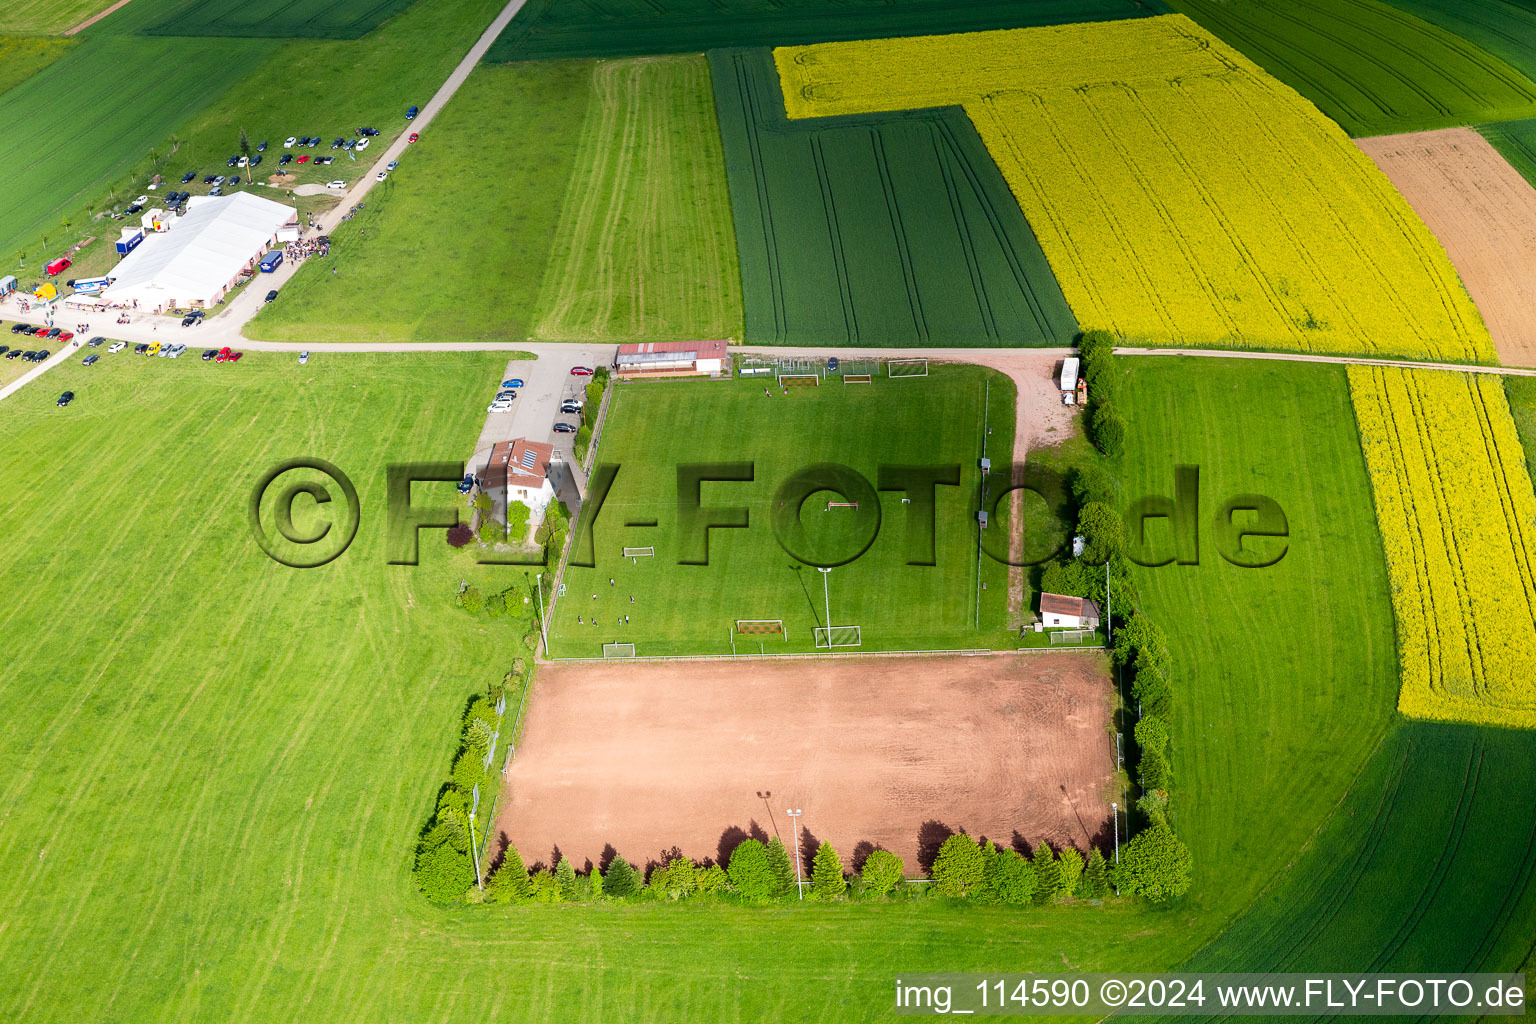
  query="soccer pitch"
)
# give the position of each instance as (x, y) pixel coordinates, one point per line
(674, 607)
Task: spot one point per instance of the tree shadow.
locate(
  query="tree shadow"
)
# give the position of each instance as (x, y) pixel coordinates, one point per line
(809, 844)
(931, 836)
(1021, 845)
(861, 853)
(605, 859)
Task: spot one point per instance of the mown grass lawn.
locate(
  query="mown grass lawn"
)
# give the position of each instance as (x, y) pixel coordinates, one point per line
(21, 57)
(654, 428)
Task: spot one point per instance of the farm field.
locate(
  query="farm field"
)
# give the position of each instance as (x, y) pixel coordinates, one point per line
(606, 763)
(21, 57)
(1374, 69)
(547, 29)
(1521, 393)
(1278, 667)
(1505, 28)
(1484, 213)
(644, 249)
(115, 113)
(444, 249)
(1516, 142)
(319, 19)
(1458, 517)
(870, 257)
(47, 17)
(655, 426)
(1180, 194)
(274, 89)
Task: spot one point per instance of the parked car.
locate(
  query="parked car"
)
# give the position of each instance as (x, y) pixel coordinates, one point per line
(410, 115)
(499, 405)
(381, 175)
(304, 158)
(65, 399)
(41, 355)
(58, 266)
(467, 484)
(285, 160)
(18, 328)
(271, 295)
(4, 349)
(210, 179)
(261, 147)
(117, 346)
(290, 142)
(96, 342)
(133, 208)
(255, 159)
(314, 140)
(91, 359)
(325, 161)
(338, 142)
(233, 161)
(412, 137)
(188, 320)
(65, 336)
(216, 191)
(565, 428)
(142, 200)
(188, 177)
(392, 165)
(338, 184)
(234, 357)
(222, 355)
(54, 332)
(141, 348)
(244, 161)
(362, 144)
(514, 382)
(303, 357)
(209, 353)
(581, 371)
(153, 350)
(164, 349)
(570, 406)
(14, 353)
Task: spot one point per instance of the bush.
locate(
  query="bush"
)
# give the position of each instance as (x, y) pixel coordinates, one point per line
(468, 769)
(471, 600)
(1093, 483)
(1154, 865)
(491, 532)
(1141, 643)
(1154, 772)
(565, 874)
(1050, 883)
(481, 503)
(517, 521)
(827, 881)
(882, 873)
(596, 884)
(594, 391)
(545, 888)
(751, 875)
(1094, 342)
(1102, 375)
(674, 880)
(1152, 734)
(443, 871)
(1071, 869)
(1094, 885)
(459, 535)
(711, 880)
(1103, 532)
(960, 868)
(1107, 429)
(622, 881)
(1013, 877)
(1153, 692)
(783, 870)
(510, 883)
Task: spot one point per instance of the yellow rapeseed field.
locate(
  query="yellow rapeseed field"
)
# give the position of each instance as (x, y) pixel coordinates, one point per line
(1181, 194)
(1458, 517)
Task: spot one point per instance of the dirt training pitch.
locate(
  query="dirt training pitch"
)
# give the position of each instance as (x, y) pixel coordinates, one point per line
(643, 758)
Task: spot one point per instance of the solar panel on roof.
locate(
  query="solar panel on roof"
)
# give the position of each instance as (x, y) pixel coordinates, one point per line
(529, 458)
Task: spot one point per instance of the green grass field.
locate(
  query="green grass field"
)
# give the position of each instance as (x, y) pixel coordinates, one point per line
(644, 250)
(89, 118)
(469, 267)
(1505, 28)
(884, 230)
(1294, 666)
(547, 29)
(21, 57)
(1516, 142)
(47, 17)
(654, 427)
(1374, 69)
(319, 19)
(1522, 405)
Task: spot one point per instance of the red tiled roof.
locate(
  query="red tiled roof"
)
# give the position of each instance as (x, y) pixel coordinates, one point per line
(714, 349)
(518, 463)
(1060, 604)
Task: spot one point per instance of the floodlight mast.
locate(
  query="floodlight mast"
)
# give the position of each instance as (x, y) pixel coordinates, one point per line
(795, 814)
(827, 596)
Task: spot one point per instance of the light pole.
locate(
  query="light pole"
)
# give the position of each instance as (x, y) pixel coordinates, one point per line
(826, 594)
(795, 814)
(474, 854)
(1115, 810)
(543, 625)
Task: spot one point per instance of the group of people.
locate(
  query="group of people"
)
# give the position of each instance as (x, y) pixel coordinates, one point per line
(297, 252)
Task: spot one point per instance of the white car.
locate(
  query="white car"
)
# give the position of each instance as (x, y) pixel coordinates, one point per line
(245, 161)
(142, 200)
(382, 175)
(392, 165)
(177, 350)
(290, 142)
(338, 183)
(500, 405)
(362, 144)
(117, 346)
(303, 357)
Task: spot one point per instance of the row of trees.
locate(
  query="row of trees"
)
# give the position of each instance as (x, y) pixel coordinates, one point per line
(1106, 424)
(982, 873)
(594, 402)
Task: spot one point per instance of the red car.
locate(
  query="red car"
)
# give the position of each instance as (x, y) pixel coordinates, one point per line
(234, 357)
(66, 335)
(581, 371)
(58, 266)
(413, 137)
(223, 355)
(304, 159)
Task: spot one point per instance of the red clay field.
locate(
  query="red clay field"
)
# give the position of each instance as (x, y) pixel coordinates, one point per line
(889, 752)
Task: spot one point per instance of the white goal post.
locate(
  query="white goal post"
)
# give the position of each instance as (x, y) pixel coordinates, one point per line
(838, 636)
(761, 627)
(1072, 636)
(906, 368)
(858, 378)
(804, 379)
(618, 650)
(635, 554)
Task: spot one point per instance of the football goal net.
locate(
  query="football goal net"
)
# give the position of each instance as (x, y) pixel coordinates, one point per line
(832, 506)
(618, 650)
(838, 636)
(858, 378)
(635, 554)
(760, 627)
(805, 380)
(907, 368)
(1072, 636)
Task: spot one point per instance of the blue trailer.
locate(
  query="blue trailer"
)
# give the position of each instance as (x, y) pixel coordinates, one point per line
(271, 261)
(129, 240)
